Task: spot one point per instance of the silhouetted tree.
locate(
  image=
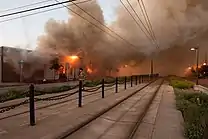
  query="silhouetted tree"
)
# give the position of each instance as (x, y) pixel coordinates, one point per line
(55, 64)
(204, 70)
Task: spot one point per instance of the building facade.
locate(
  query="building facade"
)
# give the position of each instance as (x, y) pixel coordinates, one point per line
(19, 65)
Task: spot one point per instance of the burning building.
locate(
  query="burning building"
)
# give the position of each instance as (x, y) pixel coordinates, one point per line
(21, 65)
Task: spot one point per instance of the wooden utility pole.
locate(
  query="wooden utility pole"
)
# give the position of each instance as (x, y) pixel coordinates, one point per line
(152, 67)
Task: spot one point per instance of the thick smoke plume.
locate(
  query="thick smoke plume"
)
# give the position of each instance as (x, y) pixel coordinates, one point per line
(178, 26)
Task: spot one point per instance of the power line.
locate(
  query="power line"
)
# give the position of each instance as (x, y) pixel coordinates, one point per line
(103, 24)
(52, 9)
(90, 22)
(37, 8)
(145, 18)
(135, 21)
(2, 21)
(148, 20)
(148, 31)
(24, 6)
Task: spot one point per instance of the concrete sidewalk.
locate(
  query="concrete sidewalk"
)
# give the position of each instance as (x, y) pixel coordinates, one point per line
(52, 121)
(201, 88)
(163, 120)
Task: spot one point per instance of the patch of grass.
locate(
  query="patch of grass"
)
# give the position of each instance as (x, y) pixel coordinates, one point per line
(181, 84)
(93, 83)
(194, 108)
(15, 94)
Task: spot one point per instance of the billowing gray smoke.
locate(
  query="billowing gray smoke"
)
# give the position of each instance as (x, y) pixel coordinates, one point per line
(77, 35)
(178, 25)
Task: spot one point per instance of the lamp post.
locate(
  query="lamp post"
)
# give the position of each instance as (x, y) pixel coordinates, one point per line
(21, 69)
(151, 69)
(2, 63)
(197, 63)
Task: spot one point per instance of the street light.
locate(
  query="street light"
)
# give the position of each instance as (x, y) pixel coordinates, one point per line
(21, 62)
(197, 63)
(193, 49)
(151, 68)
(2, 63)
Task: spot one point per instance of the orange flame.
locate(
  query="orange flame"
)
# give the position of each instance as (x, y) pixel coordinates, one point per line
(89, 70)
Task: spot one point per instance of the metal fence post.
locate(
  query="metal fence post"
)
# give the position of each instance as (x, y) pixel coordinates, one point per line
(32, 105)
(80, 94)
(125, 83)
(139, 79)
(131, 81)
(136, 79)
(103, 84)
(116, 84)
(142, 78)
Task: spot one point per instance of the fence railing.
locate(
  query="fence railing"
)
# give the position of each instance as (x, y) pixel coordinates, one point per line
(78, 89)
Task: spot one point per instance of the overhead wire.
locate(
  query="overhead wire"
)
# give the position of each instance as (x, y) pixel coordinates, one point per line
(103, 25)
(136, 21)
(149, 26)
(144, 11)
(95, 25)
(148, 31)
(40, 12)
(36, 8)
(10, 19)
(24, 6)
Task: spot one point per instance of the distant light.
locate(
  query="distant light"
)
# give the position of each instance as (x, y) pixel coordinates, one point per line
(126, 66)
(205, 64)
(189, 68)
(193, 49)
(89, 70)
(74, 57)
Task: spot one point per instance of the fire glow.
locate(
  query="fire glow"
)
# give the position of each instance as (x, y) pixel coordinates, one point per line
(89, 70)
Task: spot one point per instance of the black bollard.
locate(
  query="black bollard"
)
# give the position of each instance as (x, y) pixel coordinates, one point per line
(103, 84)
(139, 79)
(32, 105)
(131, 81)
(80, 94)
(116, 84)
(136, 79)
(142, 78)
(125, 83)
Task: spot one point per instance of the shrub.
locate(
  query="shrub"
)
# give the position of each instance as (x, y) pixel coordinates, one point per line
(92, 83)
(181, 84)
(14, 94)
(194, 108)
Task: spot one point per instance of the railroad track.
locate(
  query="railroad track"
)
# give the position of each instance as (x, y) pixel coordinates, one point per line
(127, 113)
